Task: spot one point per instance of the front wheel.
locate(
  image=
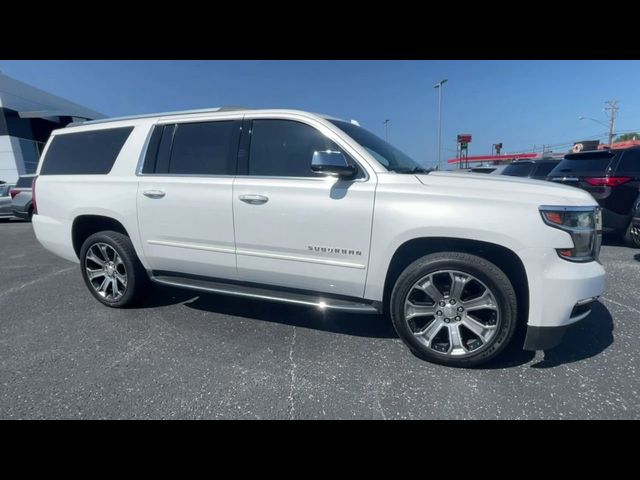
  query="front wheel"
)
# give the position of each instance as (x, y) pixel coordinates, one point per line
(454, 309)
(111, 269)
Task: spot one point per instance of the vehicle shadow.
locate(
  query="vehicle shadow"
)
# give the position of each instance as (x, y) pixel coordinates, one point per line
(586, 339)
(583, 340)
(636, 257)
(373, 326)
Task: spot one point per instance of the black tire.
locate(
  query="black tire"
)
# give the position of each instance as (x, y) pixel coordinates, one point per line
(30, 215)
(632, 236)
(486, 272)
(137, 278)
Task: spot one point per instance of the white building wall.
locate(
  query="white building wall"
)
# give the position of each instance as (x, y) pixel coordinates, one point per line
(8, 167)
(21, 97)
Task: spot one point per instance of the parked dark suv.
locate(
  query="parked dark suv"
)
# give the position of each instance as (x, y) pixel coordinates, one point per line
(613, 178)
(536, 169)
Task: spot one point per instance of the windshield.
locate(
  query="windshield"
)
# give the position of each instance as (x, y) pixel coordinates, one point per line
(385, 153)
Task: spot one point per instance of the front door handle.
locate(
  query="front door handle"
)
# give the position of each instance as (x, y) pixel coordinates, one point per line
(154, 193)
(254, 199)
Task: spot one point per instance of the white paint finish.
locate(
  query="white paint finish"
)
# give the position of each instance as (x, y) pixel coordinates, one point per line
(5, 144)
(55, 235)
(200, 211)
(8, 168)
(555, 285)
(190, 229)
(302, 213)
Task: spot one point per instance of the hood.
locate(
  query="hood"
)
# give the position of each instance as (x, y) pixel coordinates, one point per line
(508, 188)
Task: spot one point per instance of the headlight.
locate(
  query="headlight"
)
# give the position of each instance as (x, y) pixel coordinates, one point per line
(584, 224)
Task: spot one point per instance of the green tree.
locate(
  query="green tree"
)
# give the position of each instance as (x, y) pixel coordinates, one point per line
(627, 136)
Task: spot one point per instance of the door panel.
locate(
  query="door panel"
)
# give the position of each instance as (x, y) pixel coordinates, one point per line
(296, 228)
(184, 197)
(311, 233)
(190, 228)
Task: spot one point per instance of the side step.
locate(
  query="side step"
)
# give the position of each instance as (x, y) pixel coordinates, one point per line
(211, 286)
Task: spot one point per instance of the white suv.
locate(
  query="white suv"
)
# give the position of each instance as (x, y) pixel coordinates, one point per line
(295, 207)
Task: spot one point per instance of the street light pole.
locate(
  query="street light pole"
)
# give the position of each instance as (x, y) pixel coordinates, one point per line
(439, 87)
(386, 129)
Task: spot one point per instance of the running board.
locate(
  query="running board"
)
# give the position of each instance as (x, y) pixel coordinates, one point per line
(322, 303)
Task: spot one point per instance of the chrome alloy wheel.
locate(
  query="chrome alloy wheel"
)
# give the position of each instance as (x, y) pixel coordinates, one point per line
(452, 312)
(106, 271)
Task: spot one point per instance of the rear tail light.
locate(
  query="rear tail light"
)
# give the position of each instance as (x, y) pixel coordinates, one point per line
(606, 181)
(34, 204)
(13, 192)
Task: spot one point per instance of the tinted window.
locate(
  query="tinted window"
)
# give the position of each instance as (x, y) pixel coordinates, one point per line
(84, 153)
(518, 169)
(284, 148)
(149, 165)
(629, 163)
(589, 163)
(24, 182)
(4, 190)
(204, 148)
(385, 153)
(544, 168)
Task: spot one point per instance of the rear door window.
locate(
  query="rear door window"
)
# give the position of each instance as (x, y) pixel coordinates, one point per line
(199, 148)
(84, 153)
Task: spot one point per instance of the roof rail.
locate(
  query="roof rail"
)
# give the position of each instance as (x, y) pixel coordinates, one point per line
(160, 114)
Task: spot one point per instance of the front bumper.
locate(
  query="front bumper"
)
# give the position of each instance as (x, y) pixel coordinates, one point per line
(560, 293)
(546, 338)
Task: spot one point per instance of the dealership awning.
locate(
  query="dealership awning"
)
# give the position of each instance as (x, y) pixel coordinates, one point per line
(49, 114)
(494, 158)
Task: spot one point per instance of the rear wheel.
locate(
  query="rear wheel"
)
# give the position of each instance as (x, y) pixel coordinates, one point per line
(111, 269)
(454, 309)
(632, 236)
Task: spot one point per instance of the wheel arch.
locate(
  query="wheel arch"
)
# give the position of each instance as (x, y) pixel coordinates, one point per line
(86, 225)
(506, 259)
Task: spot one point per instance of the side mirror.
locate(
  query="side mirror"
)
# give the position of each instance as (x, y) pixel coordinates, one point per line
(332, 163)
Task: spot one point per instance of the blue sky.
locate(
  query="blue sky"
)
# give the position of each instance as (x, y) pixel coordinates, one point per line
(518, 103)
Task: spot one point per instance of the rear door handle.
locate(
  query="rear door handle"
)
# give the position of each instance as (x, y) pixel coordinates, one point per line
(154, 193)
(254, 199)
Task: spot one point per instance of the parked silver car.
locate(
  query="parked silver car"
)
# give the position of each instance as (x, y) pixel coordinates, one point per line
(21, 198)
(5, 201)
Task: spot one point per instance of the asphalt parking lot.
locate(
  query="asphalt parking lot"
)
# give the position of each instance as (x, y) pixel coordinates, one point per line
(184, 355)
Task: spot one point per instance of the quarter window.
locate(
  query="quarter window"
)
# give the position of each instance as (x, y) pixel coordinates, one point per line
(84, 153)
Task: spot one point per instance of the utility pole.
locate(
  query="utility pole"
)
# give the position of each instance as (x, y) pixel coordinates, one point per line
(439, 87)
(386, 129)
(613, 108)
